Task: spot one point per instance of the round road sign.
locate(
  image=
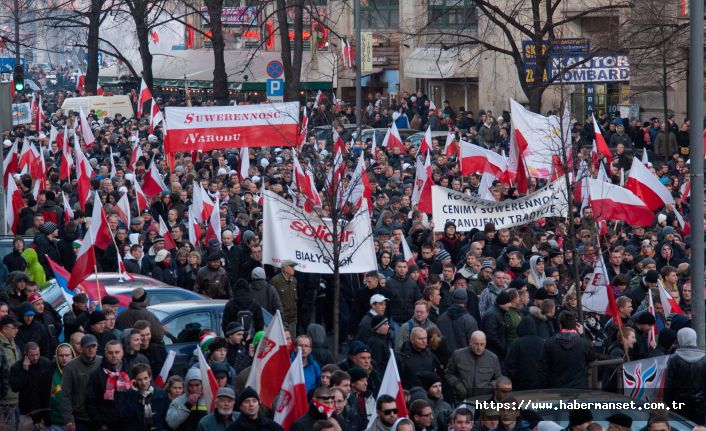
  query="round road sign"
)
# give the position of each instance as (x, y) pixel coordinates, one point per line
(275, 69)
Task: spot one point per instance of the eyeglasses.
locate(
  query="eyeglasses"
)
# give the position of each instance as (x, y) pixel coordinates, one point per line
(390, 412)
(331, 398)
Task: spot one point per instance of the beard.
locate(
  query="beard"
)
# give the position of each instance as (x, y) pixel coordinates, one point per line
(225, 412)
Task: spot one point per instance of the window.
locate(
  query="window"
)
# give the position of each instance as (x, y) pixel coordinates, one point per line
(156, 297)
(186, 328)
(452, 13)
(383, 14)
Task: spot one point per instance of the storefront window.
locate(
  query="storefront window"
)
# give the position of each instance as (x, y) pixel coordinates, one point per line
(381, 14)
(452, 13)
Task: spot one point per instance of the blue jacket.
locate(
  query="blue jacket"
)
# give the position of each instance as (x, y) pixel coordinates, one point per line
(312, 373)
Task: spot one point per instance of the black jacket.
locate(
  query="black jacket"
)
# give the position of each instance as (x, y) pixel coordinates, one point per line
(38, 333)
(232, 266)
(685, 380)
(523, 356)
(262, 423)
(14, 261)
(495, 323)
(410, 361)
(101, 411)
(34, 388)
(45, 248)
(380, 346)
(74, 321)
(165, 275)
(564, 362)
(242, 300)
(403, 293)
(457, 325)
(306, 422)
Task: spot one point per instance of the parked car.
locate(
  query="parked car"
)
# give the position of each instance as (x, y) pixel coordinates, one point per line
(416, 139)
(6, 243)
(183, 322)
(323, 133)
(379, 134)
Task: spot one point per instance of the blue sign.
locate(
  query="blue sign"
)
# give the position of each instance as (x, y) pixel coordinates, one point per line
(561, 49)
(100, 58)
(590, 99)
(275, 88)
(7, 64)
(275, 69)
(577, 69)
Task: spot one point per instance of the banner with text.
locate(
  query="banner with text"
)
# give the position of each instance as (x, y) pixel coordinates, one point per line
(292, 234)
(215, 127)
(469, 212)
(644, 379)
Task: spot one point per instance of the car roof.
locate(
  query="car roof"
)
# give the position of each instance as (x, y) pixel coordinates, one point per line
(114, 276)
(171, 307)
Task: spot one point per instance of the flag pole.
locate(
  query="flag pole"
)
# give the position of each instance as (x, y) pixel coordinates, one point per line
(98, 287)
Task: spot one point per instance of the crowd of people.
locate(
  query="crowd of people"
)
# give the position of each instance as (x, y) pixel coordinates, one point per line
(479, 314)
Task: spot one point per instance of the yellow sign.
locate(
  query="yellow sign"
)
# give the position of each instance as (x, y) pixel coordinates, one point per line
(366, 52)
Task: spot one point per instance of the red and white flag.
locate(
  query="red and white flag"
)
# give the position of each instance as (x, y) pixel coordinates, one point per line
(303, 128)
(68, 211)
(13, 204)
(646, 186)
(360, 186)
(392, 139)
(164, 232)
(598, 296)
(271, 362)
(39, 173)
(685, 190)
(425, 145)
(99, 235)
(144, 96)
(84, 173)
(318, 99)
(305, 187)
(161, 380)
(113, 171)
(611, 202)
(40, 115)
(451, 147)
(477, 159)
(80, 81)
(86, 132)
(209, 384)
(28, 157)
(195, 230)
(406, 252)
(346, 53)
(153, 183)
(244, 163)
(391, 385)
(156, 116)
(140, 198)
(421, 193)
(135, 156)
(652, 335)
(334, 180)
(122, 271)
(645, 159)
(10, 163)
(214, 223)
(486, 183)
(669, 304)
(291, 403)
(67, 160)
(99, 89)
(603, 148)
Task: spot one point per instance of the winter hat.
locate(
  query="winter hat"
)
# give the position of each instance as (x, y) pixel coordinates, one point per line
(459, 296)
(96, 317)
(579, 416)
(219, 368)
(248, 235)
(548, 282)
(503, 298)
(233, 327)
(686, 337)
(487, 264)
(35, 297)
(377, 321)
(226, 392)
(666, 338)
(652, 276)
(48, 228)
(247, 393)
(193, 374)
(205, 341)
(428, 378)
(161, 256)
(645, 318)
(217, 343)
(258, 337)
(357, 373)
(620, 419)
(258, 273)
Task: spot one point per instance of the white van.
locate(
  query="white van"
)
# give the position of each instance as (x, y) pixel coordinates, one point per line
(105, 106)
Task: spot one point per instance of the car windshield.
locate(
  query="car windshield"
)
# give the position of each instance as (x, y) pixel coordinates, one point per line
(161, 315)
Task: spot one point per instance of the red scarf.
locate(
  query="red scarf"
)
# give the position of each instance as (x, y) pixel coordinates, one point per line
(117, 380)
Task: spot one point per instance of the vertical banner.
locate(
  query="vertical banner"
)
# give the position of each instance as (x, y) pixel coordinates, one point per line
(366, 52)
(644, 379)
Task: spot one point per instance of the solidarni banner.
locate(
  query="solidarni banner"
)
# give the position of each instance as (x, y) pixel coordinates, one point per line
(644, 379)
(292, 234)
(215, 127)
(469, 212)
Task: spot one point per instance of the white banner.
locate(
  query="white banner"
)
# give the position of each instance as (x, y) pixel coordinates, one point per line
(469, 212)
(292, 234)
(644, 379)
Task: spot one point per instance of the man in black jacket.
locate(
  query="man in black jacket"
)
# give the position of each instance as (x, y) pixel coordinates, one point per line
(76, 319)
(685, 377)
(107, 388)
(522, 360)
(415, 356)
(31, 379)
(403, 293)
(565, 356)
(46, 245)
(250, 416)
(495, 323)
(321, 407)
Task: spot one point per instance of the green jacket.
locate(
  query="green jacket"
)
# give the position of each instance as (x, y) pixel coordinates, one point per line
(13, 354)
(288, 296)
(34, 269)
(73, 388)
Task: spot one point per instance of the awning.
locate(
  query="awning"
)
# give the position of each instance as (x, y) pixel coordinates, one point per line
(437, 63)
(196, 65)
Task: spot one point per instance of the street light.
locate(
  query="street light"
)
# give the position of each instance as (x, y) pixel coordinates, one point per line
(19, 78)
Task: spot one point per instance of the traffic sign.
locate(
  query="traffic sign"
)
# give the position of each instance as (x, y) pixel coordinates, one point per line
(275, 89)
(275, 69)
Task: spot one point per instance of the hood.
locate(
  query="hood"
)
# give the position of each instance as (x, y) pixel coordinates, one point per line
(73, 354)
(317, 334)
(687, 345)
(137, 305)
(536, 312)
(526, 327)
(456, 311)
(401, 421)
(30, 256)
(567, 340)
(258, 284)
(538, 278)
(242, 298)
(417, 393)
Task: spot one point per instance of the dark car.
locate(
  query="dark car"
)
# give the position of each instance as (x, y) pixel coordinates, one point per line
(6, 243)
(183, 322)
(548, 403)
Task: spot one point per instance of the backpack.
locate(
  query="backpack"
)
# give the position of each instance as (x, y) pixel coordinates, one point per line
(245, 318)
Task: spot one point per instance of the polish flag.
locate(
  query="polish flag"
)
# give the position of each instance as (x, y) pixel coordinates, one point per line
(122, 271)
(598, 296)
(153, 183)
(113, 171)
(291, 403)
(99, 89)
(144, 96)
(84, 172)
(426, 142)
(646, 186)
(202, 203)
(652, 335)
(140, 197)
(685, 190)
(156, 116)
(28, 156)
(194, 229)
(685, 226)
(80, 81)
(40, 115)
(164, 232)
(421, 194)
(68, 211)
(67, 160)
(346, 53)
(406, 252)
(645, 159)
(13, 204)
(10, 163)
(669, 304)
(244, 163)
(86, 132)
(54, 135)
(611, 202)
(135, 156)
(318, 99)
(214, 224)
(361, 188)
(163, 376)
(392, 386)
(39, 173)
(209, 384)
(603, 148)
(305, 186)
(99, 235)
(303, 128)
(451, 147)
(392, 139)
(486, 183)
(338, 170)
(477, 159)
(271, 362)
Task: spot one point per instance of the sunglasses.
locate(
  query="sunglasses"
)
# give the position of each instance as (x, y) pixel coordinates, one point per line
(331, 398)
(390, 412)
